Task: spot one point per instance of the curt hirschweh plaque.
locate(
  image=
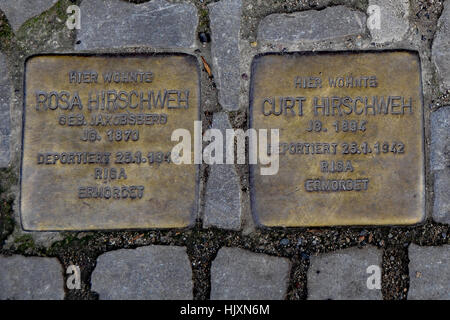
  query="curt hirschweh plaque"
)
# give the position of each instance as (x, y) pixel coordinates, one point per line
(97, 141)
(351, 138)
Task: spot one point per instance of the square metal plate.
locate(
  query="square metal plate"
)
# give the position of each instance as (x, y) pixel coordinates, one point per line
(97, 141)
(351, 138)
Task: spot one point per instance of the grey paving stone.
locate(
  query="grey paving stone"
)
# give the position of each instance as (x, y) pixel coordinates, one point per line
(223, 195)
(5, 118)
(30, 278)
(238, 274)
(342, 275)
(147, 273)
(394, 20)
(312, 25)
(441, 48)
(440, 163)
(225, 22)
(222, 205)
(441, 207)
(429, 273)
(440, 139)
(116, 23)
(19, 11)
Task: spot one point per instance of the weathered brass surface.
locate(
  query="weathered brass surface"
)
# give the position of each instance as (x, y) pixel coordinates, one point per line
(350, 168)
(105, 164)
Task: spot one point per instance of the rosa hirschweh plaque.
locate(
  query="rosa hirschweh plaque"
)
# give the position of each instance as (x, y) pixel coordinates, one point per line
(97, 141)
(351, 138)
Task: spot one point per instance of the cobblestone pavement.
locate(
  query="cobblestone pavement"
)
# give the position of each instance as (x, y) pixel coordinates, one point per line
(226, 255)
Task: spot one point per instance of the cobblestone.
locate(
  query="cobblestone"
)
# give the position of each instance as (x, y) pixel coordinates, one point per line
(225, 19)
(238, 274)
(441, 48)
(312, 25)
(152, 272)
(30, 278)
(429, 274)
(440, 163)
(342, 275)
(115, 23)
(19, 11)
(393, 20)
(5, 126)
(223, 197)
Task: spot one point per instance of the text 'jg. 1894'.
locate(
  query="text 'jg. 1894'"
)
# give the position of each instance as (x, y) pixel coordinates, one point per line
(351, 138)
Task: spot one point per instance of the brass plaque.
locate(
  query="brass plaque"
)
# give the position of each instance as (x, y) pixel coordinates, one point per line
(97, 141)
(351, 138)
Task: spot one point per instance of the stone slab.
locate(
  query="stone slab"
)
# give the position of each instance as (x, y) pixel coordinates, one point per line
(393, 20)
(356, 162)
(223, 195)
(441, 207)
(5, 113)
(145, 273)
(440, 163)
(440, 139)
(342, 275)
(238, 274)
(30, 278)
(429, 274)
(440, 51)
(312, 25)
(116, 24)
(107, 165)
(225, 22)
(19, 11)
